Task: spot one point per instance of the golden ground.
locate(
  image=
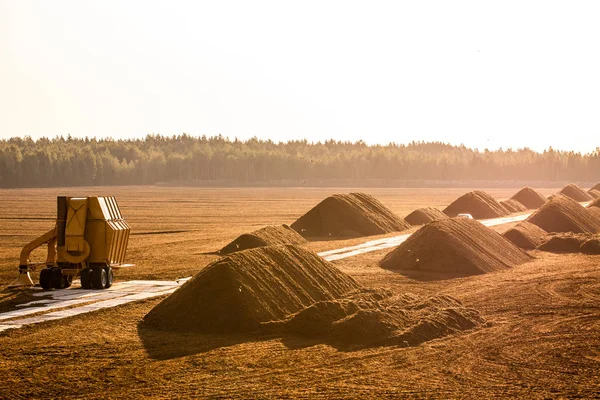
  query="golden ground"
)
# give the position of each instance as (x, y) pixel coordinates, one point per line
(542, 338)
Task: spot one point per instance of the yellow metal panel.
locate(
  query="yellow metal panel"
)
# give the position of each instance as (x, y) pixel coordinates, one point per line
(75, 228)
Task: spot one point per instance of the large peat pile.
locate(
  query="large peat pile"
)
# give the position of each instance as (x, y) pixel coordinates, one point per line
(477, 203)
(563, 214)
(424, 216)
(456, 247)
(267, 236)
(349, 215)
(530, 198)
(575, 192)
(241, 291)
(526, 235)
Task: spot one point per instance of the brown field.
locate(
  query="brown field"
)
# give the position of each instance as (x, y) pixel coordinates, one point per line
(542, 339)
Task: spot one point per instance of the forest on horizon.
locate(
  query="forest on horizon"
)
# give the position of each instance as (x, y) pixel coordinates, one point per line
(69, 161)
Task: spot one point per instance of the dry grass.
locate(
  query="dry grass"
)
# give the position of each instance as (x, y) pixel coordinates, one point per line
(543, 338)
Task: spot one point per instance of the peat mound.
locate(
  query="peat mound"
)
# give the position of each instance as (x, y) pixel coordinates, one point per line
(240, 291)
(380, 318)
(591, 246)
(595, 193)
(477, 203)
(267, 236)
(564, 242)
(513, 206)
(575, 192)
(526, 235)
(457, 247)
(349, 215)
(596, 187)
(595, 203)
(530, 198)
(563, 214)
(424, 216)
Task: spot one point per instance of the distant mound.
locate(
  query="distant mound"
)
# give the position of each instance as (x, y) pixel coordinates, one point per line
(530, 198)
(267, 236)
(525, 235)
(241, 291)
(513, 206)
(563, 214)
(575, 192)
(595, 193)
(564, 242)
(477, 203)
(349, 215)
(457, 247)
(377, 317)
(424, 216)
(596, 187)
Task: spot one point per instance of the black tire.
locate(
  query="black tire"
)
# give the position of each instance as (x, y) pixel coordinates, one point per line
(67, 280)
(99, 278)
(56, 279)
(45, 278)
(86, 278)
(110, 276)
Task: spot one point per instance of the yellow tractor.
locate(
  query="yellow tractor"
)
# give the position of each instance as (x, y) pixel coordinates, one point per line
(89, 240)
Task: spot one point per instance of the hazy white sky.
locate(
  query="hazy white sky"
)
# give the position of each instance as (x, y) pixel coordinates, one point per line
(482, 73)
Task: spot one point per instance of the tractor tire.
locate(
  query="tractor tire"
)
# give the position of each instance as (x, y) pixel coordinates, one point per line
(45, 278)
(56, 279)
(67, 280)
(99, 278)
(86, 278)
(110, 276)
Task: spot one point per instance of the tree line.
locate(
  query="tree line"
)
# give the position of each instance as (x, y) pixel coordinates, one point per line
(69, 161)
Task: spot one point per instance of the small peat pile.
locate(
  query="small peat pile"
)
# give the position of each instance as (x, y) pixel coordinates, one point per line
(575, 192)
(455, 247)
(477, 203)
(530, 198)
(595, 193)
(267, 236)
(596, 187)
(591, 246)
(239, 292)
(378, 318)
(563, 214)
(349, 215)
(513, 206)
(595, 203)
(525, 235)
(424, 216)
(564, 242)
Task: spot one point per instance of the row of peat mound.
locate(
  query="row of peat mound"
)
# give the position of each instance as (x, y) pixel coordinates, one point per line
(290, 290)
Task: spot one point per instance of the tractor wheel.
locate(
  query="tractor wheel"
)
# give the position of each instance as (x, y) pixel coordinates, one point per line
(110, 276)
(99, 278)
(45, 278)
(56, 279)
(67, 280)
(86, 278)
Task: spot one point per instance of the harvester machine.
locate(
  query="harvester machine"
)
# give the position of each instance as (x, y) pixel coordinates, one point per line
(89, 241)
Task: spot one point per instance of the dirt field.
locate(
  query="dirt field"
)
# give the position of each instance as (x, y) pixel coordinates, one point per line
(542, 339)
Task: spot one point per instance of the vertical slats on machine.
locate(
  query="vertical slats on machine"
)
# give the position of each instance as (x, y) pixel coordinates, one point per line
(118, 230)
(61, 219)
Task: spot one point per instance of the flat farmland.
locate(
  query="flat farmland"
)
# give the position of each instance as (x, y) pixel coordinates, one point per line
(542, 337)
